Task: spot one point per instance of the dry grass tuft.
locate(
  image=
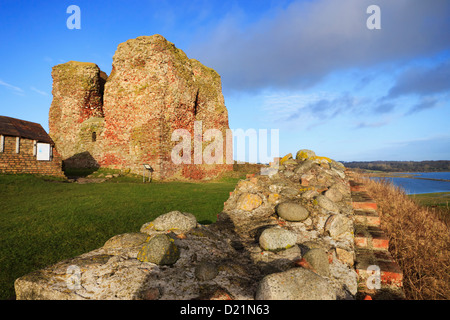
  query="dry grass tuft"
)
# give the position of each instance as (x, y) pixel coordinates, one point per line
(419, 240)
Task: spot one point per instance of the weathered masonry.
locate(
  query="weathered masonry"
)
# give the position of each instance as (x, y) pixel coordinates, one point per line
(126, 119)
(25, 147)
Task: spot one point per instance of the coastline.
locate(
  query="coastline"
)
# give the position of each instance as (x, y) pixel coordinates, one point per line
(429, 199)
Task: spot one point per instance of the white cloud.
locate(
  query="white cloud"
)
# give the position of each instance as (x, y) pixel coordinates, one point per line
(10, 86)
(43, 93)
(313, 108)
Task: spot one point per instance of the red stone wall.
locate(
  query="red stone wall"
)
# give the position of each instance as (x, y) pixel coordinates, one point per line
(77, 98)
(25, 161)
(153, 89)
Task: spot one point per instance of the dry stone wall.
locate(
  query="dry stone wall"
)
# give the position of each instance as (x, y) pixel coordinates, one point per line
(153, 89)
(274, 239)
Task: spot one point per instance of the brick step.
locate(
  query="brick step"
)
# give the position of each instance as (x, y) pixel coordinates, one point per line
(357, 187)
(362, 201)
(366, 266)
(384, 293)
(364, 205)
(367, 218)
(370, 237)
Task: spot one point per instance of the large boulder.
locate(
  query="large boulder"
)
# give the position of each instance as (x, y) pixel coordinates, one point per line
(172, 221)
(292, 211)
(275, 239)
(295, 284)
(159, 249)
(126, 240)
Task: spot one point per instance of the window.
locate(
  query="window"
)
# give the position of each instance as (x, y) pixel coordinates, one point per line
(44, 152)
(17, 144)
(94, 136)
(2, 143)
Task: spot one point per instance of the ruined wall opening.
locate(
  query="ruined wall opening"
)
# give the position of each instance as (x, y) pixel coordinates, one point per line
(196, 104)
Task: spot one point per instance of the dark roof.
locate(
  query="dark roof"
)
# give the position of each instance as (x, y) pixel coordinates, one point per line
(23, 129)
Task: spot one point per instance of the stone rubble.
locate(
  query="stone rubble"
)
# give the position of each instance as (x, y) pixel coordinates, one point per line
(285, 235)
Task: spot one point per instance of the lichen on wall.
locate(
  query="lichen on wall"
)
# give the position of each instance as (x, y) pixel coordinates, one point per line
(153, 89)
(77, 103)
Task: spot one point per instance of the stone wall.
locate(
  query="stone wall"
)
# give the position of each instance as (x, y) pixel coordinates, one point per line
(25, 161)
(77, 98)
(274, 239)
(153, 89)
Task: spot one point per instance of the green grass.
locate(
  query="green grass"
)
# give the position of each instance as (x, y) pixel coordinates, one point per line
(43, 220)
(439, 203)
(440, 199)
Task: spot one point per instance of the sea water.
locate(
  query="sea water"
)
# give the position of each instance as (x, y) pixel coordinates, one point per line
(417, 186)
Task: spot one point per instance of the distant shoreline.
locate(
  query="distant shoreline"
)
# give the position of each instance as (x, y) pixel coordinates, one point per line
(400, 166)
(401, 175)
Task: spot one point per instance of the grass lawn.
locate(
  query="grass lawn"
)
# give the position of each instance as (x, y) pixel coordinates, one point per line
(440, 199)
(438, 202)
(43, 221)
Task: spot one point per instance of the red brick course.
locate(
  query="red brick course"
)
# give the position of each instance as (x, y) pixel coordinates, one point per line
(372, 246)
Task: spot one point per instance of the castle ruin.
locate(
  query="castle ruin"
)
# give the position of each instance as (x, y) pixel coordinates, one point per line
(126, 119)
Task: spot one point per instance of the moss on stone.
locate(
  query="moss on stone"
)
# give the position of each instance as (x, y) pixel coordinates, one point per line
(321, 158)
(285, 158)
(82, 73)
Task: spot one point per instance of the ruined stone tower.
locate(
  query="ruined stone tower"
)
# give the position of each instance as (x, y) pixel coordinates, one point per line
(77, 111)
(128, 119)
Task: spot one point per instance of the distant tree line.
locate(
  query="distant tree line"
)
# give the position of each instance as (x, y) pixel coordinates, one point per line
(401, 166)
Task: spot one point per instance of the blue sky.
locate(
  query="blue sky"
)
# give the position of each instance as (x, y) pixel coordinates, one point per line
(310, 68)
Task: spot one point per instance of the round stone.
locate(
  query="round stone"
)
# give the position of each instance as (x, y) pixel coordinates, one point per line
(249, 201)
(174, 220)
(295, 284)
(160, 249)
(285, 158)
(125, 240)
(276, 239)
(327, 204)
(290, 162)
(292, 211)
(337, 225)
(333, 194)
(290, 192)
(304, 154)
(318, 259)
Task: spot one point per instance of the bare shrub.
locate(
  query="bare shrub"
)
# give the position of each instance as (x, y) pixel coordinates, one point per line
(419, 240)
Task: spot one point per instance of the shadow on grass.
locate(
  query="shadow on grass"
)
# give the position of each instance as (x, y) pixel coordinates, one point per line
(79, 172)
